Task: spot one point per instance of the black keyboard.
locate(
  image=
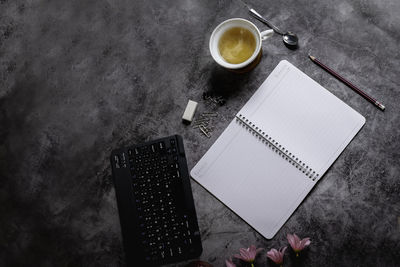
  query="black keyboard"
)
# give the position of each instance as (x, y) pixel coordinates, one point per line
(155, 203)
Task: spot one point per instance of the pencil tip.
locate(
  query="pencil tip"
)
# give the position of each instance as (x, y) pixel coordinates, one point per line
(311, 57)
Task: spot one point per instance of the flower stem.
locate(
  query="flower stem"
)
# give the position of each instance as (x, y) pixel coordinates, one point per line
(252, 265)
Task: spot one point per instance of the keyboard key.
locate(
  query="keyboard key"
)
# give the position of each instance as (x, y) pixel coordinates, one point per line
(117, 161)
(161, 145)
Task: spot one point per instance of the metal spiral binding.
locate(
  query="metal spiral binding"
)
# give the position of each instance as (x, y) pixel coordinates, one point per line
(275, 146)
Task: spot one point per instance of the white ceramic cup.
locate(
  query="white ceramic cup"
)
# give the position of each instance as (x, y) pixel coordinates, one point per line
(237, 22)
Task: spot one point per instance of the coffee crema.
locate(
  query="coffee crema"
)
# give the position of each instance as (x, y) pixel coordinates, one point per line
(236, 45)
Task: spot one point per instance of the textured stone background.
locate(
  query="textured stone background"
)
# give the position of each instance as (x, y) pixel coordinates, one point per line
(79, 78)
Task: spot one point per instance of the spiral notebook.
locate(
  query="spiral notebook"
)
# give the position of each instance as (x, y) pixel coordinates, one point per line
(277, 148)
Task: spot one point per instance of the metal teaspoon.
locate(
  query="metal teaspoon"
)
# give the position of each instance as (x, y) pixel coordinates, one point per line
(290, 39)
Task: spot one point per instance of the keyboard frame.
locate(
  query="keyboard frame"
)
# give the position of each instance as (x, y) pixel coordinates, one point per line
(127, 208)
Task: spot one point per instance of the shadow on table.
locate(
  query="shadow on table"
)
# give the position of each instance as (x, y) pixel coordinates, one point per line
(226, 83)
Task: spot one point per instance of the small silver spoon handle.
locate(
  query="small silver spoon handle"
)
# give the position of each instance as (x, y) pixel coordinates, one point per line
(260, 18)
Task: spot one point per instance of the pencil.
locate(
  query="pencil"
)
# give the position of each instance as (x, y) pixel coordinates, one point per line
(349, 84)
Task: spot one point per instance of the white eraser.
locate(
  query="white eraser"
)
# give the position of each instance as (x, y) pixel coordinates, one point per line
(189, 111)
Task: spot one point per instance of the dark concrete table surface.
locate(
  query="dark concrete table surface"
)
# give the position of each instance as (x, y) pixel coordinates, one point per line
(80, 78)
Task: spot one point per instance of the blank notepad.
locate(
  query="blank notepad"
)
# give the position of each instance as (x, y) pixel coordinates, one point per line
(277, 148)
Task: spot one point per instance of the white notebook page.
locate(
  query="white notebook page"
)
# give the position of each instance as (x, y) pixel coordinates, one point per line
(302, 116)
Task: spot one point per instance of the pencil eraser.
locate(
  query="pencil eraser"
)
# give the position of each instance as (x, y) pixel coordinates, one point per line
(189, 111)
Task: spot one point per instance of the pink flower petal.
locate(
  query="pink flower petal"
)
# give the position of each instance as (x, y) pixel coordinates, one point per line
(237, 256)
(245, 255)
(297, 241)
(248, 254)
(291, 240)
(305, 242)
(271, 254)
(276, 256)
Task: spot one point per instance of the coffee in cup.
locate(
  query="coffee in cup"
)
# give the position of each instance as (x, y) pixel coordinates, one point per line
(235, 44)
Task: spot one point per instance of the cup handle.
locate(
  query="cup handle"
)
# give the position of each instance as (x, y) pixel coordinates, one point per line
(266, 34)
